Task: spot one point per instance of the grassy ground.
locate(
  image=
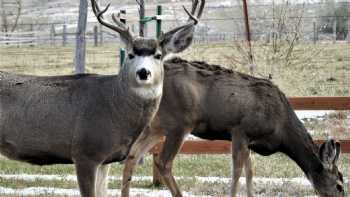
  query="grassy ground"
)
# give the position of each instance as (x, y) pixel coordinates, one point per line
(320, 70)
(276, 166)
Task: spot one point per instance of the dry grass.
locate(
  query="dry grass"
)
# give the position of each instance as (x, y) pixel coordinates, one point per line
(275, 166)
(316, 70)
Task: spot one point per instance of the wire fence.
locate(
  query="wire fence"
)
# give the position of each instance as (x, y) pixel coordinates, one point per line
(209, 30)
(55, 24)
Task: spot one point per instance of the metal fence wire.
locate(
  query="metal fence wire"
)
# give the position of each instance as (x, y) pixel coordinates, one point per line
(221, 22)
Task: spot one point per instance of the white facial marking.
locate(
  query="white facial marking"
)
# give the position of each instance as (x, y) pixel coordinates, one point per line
(150, 88)
(147, 63)
(149, 92)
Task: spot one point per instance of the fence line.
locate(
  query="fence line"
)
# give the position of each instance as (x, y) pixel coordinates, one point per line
(18, 38)
(211, 29)
(100, 36)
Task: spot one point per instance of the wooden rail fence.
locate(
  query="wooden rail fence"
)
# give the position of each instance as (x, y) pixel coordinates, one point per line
(224, 147)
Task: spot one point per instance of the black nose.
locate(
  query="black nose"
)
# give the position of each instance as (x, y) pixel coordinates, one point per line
(143, 73)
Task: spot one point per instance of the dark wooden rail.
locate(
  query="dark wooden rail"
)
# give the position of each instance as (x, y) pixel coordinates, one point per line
(224, 147)
(320, 103)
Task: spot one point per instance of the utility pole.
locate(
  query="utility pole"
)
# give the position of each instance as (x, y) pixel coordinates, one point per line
(80, 47)
(248, 37)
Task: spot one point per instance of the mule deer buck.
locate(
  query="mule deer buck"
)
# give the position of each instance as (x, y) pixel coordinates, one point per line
(89, 120)
(214, 103)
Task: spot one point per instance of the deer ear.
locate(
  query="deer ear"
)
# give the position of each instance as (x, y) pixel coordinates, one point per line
(177, 41)
(337, 146)
(329, 152)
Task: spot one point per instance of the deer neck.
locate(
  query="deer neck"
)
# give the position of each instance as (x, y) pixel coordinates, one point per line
(300, 147)
(135, 110)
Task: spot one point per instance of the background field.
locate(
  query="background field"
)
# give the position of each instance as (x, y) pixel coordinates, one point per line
(316, 70)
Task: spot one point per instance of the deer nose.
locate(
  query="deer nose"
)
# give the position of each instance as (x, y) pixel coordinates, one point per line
(143, 74)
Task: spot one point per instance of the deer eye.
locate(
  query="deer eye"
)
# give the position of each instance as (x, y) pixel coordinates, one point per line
(131, 56)
(158, 56)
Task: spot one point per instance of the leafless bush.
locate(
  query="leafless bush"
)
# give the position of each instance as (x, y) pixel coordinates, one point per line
(10, 13)
(282, 47)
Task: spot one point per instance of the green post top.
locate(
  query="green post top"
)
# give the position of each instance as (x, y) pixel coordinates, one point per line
(147, 19)
(159, 22)
(122, 56)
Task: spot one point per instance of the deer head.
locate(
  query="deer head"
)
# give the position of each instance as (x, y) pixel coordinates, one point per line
(144, 62)
(329, 181)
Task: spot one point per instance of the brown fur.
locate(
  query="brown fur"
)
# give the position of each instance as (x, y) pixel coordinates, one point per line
(216, 103)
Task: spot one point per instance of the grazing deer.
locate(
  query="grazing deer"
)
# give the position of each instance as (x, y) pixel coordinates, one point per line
(214, 103)
(89, 120)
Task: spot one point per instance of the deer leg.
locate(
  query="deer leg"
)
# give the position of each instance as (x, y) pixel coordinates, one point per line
(240, 154)
(102, 181)
(249, 175)
(143, 144)
(86, 173)
(164, 165)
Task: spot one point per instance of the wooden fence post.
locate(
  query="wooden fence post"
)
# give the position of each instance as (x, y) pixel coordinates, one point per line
(348, 28)
(52, 35)
(101, 34)
(335, 31)
(95, 36)
(64, 35)
(315, 32)
(157, 180)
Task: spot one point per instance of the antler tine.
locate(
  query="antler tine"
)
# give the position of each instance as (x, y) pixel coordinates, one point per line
(121, 28)
(192, 19)
(194, 6)
(201, 8)
(116, 19)
(193, 11)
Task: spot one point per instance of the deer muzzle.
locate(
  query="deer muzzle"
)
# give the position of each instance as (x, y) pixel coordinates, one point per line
(143, 74)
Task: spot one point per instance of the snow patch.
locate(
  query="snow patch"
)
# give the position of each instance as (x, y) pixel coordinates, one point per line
(259, 180)
(302, 114)
(33, 191)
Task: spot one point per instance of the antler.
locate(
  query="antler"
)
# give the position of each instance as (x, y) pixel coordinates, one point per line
(121, 28)
(193, 20)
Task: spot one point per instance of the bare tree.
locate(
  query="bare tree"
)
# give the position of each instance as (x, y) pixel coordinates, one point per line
(283, 47)
(10, 14)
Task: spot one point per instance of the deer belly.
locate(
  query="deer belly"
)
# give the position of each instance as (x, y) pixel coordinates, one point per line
(44, 158)
(39, 153)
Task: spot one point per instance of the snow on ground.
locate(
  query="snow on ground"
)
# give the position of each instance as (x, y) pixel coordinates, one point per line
(259, 180)
(75, 192)
(276, 182)
(302, 114)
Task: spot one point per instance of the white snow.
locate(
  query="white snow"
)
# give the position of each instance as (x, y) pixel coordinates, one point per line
(311, 113)
(75, 192)
(299, 181)
(263, 180)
